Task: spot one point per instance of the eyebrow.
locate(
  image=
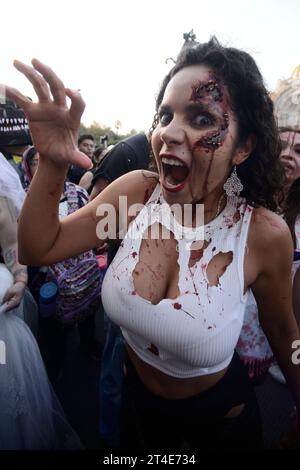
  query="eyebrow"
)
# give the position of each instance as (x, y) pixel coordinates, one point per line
(198, 107)
(285, 143)
(164, 107)
(189, 108)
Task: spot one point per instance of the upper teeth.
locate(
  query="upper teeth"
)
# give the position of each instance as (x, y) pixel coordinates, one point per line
(13, 120)
(172, 161)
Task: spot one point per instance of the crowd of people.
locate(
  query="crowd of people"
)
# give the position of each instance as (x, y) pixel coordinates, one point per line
(200, 292)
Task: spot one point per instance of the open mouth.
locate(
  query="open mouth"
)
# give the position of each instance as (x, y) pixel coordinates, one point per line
(175, 173)
(13, 124)
(288, 167)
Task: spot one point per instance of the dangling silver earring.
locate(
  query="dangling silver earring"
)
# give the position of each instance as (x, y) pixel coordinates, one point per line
(233, 186)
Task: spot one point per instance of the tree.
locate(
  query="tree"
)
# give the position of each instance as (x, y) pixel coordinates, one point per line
(98, 131)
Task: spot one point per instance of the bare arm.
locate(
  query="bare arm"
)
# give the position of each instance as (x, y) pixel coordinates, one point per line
(8, 243)
(296, 296)
(273, 292)
(43, 239)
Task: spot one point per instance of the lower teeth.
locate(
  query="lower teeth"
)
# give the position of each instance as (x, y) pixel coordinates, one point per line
(171, 181)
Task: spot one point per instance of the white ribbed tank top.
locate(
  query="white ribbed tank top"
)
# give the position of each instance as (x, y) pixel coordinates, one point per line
(196, 333)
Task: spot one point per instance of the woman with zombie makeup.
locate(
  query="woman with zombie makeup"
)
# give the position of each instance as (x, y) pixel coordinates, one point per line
(290, 210)
(178, 286)
(253, 345)
(287, 112)
(290, 157)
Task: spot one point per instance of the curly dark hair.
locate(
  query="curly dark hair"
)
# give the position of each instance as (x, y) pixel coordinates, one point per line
(261, 174)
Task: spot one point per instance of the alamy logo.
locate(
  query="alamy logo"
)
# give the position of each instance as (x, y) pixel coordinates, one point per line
(185, 222)
(2, 353)
(296, 354)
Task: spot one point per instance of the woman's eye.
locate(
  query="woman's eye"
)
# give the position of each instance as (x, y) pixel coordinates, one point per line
(203, 120)
(165, 118)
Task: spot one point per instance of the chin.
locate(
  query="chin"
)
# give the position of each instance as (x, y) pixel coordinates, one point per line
(180, 197)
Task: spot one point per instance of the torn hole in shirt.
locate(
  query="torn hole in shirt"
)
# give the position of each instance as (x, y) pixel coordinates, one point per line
(197, 250)
(217, 267)
(153, 349)
(156, 274)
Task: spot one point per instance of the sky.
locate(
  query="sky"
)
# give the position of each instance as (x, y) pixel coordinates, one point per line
(115, 51)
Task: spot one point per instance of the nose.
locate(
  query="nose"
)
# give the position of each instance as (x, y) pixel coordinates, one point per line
(172, 133)
(287, 154)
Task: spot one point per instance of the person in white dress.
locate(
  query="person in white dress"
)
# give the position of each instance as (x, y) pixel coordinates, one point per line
(31, 417)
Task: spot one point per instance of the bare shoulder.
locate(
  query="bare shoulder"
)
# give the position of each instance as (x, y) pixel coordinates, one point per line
(269, 237)
(137, 180)
(266, 226)
(137, 185)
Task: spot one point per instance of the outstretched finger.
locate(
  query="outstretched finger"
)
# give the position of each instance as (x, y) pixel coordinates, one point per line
(77, 103)
(55, 83)
(38, 82)
(15, 95)
(81, 159)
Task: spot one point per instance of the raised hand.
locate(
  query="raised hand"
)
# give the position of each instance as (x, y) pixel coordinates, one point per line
(53, 125)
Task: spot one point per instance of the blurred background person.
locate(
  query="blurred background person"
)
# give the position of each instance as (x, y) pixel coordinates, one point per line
(99, 154)
(287, 112)
(130, 154)
(78, 280)
(86, 144)
(14, 134)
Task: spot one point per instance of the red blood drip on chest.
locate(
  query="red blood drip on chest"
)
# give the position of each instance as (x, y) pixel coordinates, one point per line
(177, 306)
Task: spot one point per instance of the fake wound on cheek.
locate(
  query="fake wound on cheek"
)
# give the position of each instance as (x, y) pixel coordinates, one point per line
(214, 139)
(211, 141)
